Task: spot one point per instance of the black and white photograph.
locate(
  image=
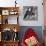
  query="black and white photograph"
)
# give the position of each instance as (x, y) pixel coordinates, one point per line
(30, 12)
(9, 20)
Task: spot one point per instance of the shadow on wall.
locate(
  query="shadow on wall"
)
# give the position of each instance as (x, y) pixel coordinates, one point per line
(37, 29)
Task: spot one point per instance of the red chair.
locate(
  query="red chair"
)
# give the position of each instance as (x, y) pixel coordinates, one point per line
(29, 33)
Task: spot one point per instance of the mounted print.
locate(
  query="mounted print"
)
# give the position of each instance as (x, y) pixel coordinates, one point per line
(9, 20)
(5, 12)
(30, 12)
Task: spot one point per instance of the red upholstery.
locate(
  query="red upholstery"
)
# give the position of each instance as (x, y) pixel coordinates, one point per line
(29, 33)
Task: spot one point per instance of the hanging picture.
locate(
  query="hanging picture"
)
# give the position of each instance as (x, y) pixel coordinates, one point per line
(30, 12)
(5, 20)
(10, 20)
(5, 12)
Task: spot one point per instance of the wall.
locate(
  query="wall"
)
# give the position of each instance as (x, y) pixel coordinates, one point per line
(22, 3)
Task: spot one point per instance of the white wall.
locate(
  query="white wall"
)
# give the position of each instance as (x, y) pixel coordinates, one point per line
(6, 3)
(22, 3)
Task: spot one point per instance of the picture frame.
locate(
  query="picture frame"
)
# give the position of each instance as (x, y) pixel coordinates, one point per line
(5, 20)
(13, 19)
(10, 20)
(30, 13)
(7, 34)
(13, 12)
(5, 12)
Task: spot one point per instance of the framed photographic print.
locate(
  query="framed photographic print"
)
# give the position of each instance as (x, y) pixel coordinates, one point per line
(6, 34)
(5, 12)
(13, 12)
(30, 12)
(5, 20)
(9, 20)
(12, 20)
